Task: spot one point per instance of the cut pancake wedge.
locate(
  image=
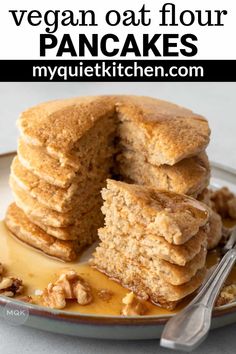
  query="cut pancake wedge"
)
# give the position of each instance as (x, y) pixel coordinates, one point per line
(146, 211)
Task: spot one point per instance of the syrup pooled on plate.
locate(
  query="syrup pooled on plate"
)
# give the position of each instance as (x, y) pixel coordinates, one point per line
(37, 270)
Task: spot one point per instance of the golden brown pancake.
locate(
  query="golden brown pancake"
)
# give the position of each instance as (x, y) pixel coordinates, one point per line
(145, 283)
(189, 176)
(54, 197)
(18, 223)
(36, 211)
(168, 272)
(143, 210)
(166, 132)
(153, 246)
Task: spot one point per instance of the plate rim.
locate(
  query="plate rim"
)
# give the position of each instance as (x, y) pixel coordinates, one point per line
(93, 319)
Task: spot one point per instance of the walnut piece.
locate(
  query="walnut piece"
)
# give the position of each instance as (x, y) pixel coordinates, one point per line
(224, 202)
(227, 295)
(9, 286)
(68, 286)
(132, 306)
(54, 297)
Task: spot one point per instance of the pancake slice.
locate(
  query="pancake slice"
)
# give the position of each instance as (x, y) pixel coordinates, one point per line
(44, 125)
(165, 132)
(142, 223)
(140, 210)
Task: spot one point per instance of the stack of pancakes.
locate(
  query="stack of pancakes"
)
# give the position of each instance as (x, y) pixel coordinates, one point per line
(153, 242)
(57, 187)
(68, 149)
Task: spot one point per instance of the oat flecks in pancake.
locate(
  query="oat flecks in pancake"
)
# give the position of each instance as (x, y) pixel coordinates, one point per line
(152, 246)
(173, 216)
(26, 231)
(142, 281)
(189, 176)
(66, 152)
(135, 214)
(54, 197)
(34, 209)
(167, 132)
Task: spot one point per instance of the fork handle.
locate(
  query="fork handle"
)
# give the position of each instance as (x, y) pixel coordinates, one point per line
(188, 329)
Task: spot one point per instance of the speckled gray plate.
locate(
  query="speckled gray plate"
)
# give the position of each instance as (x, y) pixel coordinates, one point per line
(107, 327)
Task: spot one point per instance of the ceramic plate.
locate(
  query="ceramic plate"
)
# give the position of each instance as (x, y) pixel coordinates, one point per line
(106, 327)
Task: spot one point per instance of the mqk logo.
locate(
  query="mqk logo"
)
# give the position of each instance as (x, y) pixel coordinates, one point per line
(15, 314)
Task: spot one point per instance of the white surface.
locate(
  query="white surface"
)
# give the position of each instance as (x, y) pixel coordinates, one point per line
(24, 340)
(214, 100)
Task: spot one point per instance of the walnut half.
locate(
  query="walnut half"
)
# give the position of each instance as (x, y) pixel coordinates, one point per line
(227, 295)
(132, 306)
(9, 286)
(224, 202)
(68, 286)
(54, 297)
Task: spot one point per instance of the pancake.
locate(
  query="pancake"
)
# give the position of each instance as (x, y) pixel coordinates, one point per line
(44, 125)
(96, 144)
(84, 228)
(36, 160)
(145, 211)
(165, 132)
(67, 150)
(36, 211)
(54, 197)
(135, 213)
(18, 223)
(168, 272)
(143, 281)
(152, 246)
(189, 176)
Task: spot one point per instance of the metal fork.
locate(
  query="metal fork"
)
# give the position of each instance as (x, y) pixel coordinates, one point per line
(186, 330)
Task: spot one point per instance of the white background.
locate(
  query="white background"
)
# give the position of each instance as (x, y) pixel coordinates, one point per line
(23, 42)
